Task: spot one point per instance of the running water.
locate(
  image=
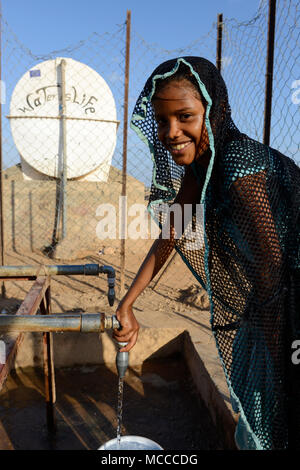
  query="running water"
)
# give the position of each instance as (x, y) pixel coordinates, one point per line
(120, 410)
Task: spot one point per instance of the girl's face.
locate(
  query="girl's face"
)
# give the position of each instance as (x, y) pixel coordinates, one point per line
(180, 119)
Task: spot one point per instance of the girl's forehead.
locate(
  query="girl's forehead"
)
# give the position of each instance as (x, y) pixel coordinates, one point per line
(174, 91)
(176, 100)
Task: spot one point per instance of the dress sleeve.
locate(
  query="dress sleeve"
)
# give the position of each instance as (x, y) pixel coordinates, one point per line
(253, 215)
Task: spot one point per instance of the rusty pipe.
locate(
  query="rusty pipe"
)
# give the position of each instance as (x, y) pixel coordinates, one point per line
(84, 323)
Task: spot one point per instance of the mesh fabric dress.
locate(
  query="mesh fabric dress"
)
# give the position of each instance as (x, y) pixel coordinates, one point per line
(247, 257)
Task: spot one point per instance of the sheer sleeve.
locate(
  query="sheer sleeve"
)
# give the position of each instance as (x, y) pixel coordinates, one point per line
(252, 213)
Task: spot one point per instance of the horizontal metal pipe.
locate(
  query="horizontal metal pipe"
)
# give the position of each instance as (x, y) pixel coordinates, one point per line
(50, 270)
(85, 323)
(43, 323)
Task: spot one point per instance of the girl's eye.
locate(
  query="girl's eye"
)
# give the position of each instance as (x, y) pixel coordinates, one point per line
(185, 116)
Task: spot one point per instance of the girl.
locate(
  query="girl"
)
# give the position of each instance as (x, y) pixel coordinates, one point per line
(246, 251)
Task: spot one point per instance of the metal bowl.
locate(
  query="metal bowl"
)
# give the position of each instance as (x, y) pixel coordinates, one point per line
(131, 443)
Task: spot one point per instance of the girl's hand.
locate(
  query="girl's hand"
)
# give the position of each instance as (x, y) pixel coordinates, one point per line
(129, 327)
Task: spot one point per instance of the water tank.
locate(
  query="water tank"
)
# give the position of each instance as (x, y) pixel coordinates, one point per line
(36, 118)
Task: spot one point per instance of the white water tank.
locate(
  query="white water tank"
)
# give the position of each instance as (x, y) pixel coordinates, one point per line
(37, 124)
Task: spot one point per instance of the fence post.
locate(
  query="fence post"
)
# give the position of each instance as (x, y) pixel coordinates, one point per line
(3, 292)
(124, 169)
(219, 41)
(269, 71)
(64, 146)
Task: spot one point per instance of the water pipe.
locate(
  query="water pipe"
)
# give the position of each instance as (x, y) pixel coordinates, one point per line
(111, 278)
(80, 322)
(84, 323)
(55, 270)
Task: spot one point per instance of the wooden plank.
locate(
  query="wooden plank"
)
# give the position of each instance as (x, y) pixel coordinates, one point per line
(29, 306)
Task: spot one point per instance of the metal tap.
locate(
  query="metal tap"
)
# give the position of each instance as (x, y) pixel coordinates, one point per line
(122, 358)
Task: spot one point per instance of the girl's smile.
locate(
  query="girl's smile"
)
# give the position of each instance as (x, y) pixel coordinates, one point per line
(180, 116)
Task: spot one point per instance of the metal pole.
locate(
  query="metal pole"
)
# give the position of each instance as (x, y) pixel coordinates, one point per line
(269, 71)
(124, 170)
(49, 372)
(3, 291)
(219, 41)
(64, 136)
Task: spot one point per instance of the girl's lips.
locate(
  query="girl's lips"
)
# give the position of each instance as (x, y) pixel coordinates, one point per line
(180, 148)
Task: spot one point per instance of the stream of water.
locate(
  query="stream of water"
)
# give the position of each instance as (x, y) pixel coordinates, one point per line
(120, 410)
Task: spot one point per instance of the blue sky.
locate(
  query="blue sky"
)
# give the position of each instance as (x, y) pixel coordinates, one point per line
(44, 26)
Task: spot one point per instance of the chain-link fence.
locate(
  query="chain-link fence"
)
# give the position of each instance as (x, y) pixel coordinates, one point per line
(244, 71)
(63, 143)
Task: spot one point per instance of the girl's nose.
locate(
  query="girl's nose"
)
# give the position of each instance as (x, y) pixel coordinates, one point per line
(173, 130)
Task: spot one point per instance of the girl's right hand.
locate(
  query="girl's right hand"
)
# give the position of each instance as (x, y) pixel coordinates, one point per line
(129, 327)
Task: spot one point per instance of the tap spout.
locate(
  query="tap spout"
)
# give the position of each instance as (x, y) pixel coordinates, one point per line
(122, 360)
